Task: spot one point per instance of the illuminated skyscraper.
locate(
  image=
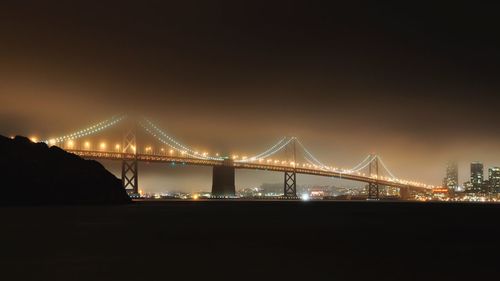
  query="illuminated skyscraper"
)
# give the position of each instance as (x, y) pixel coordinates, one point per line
(476, 176)
(494, 179)
(451, 179)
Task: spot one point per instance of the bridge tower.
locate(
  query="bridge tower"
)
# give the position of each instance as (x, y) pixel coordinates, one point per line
(373, 190)
(130, 164)
(290, 183)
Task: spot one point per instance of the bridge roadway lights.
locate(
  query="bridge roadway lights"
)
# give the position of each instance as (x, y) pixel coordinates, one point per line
(290, 187)
(223, 180)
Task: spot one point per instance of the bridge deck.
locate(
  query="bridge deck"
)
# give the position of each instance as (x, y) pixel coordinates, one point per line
(104, 155)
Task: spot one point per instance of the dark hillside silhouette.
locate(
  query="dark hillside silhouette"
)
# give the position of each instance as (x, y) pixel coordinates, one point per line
(33, 173)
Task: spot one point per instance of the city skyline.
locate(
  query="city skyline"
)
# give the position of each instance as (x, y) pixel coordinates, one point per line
(482, 179)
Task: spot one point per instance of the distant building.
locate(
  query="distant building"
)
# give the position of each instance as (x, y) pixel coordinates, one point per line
(251, 192)
(317, 193)
(494, 179)
(451, 179)
(392, 191)
(468, 187)
(440, 192)
(477, 177)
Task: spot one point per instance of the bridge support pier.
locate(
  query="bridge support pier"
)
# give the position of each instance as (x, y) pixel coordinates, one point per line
(223, 180)
(404, 193)
(290, 188)
(373, 192)
(130, 165)
(130, 176)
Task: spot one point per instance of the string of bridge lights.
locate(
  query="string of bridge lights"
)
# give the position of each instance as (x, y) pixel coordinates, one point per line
(317, 163)
(266, 153)
(373, 158)
(386, 169)
(87, 131)
(269, 152)
(314, 159)
(183, 149)
(355, 168)
(309, 157)
(183, 152)
(170, 139)
(281, 147)
(363, 164)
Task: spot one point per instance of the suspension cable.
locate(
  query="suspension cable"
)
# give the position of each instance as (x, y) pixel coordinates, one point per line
(385, 167)
(170, 141)
(277, 147)
(319, 163)
(87, 131)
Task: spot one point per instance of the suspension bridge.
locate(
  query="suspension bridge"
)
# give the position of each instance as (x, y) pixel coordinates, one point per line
(297, 159)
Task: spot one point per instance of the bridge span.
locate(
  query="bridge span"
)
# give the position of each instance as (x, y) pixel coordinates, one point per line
(299, 160)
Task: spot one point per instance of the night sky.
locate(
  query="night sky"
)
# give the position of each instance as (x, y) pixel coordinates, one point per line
(416, 83)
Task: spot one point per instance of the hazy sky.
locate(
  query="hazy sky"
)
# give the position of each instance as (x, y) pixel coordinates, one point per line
(416, 83)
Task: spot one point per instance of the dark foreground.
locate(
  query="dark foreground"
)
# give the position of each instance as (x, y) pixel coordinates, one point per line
(251, 240)
(35, 174)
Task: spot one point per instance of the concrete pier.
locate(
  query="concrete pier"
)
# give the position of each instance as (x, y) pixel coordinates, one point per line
(223, 180)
